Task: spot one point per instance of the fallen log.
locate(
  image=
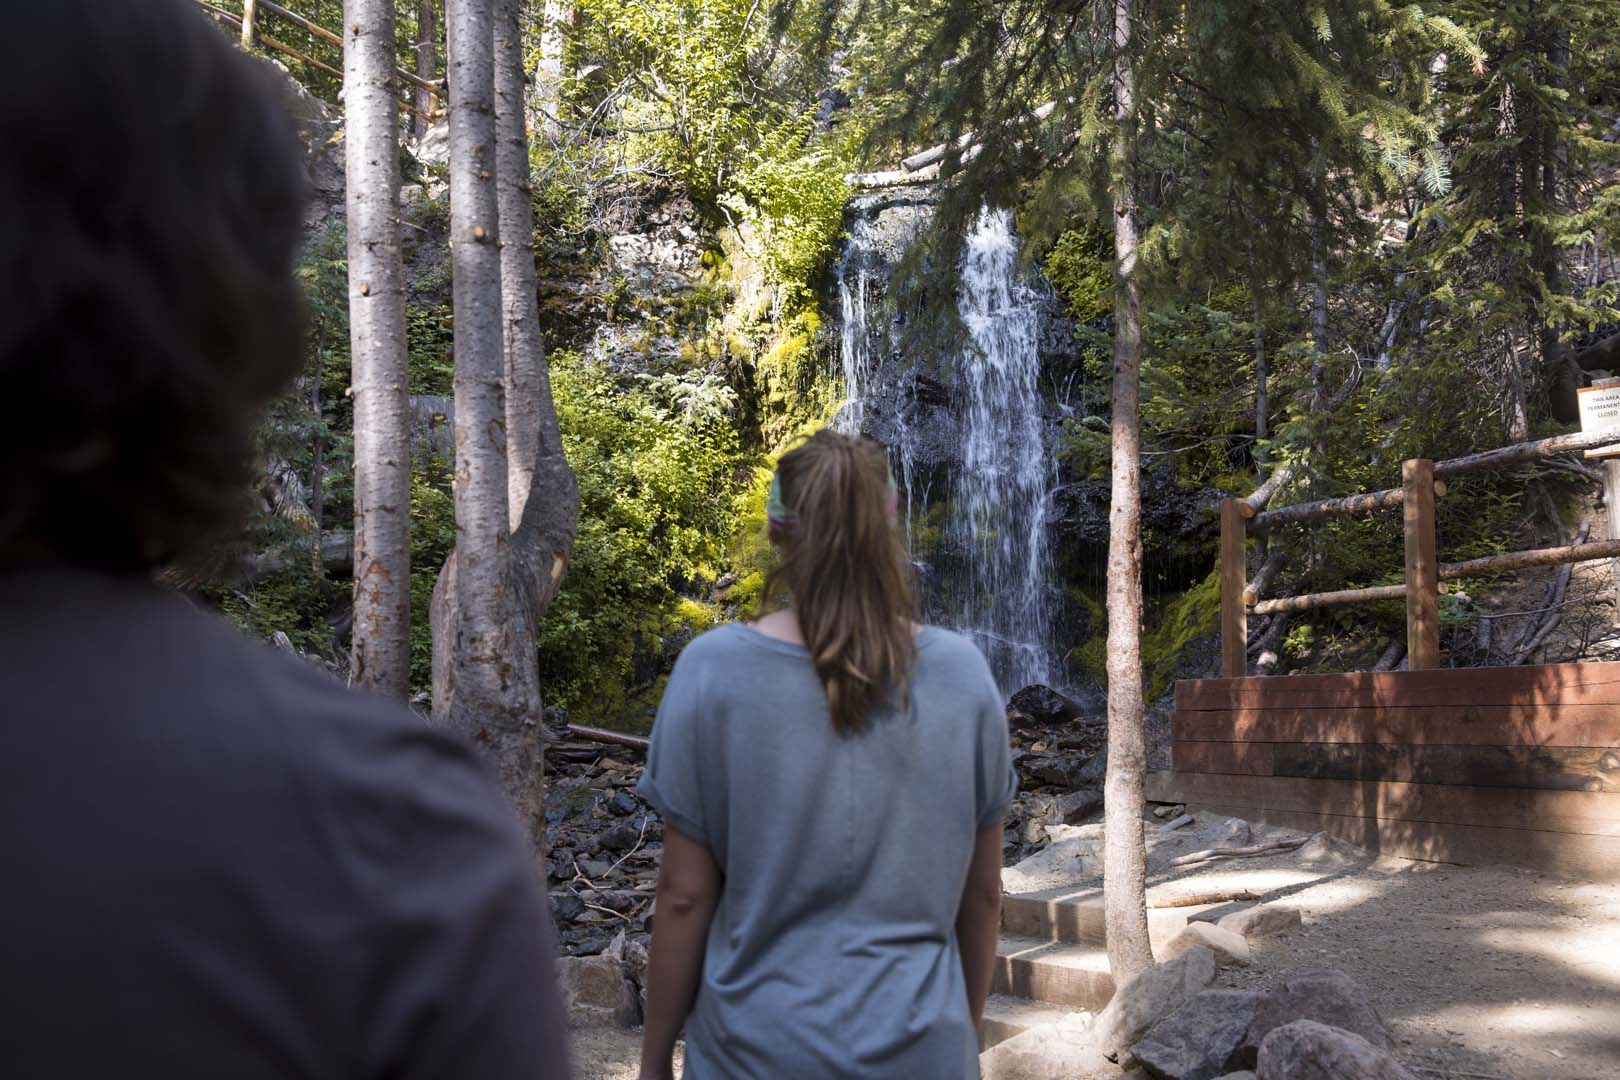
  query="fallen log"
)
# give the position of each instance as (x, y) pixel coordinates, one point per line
(603, 735)
(1238, 852)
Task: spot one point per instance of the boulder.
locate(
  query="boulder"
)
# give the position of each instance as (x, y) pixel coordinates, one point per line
(1071, 806)
(1229, 832)
(1151, 996)
(1197, 1041)
(1229, 947)
(1327, 997)
(1064, 862)
(1261, 921)
(1040, 705)
(596, 993)
(1307, 1050)
(1046, 1052)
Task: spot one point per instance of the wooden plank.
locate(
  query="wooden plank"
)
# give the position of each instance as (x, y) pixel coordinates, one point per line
(1566, 854)
(1583, 812)
(1545, 684)
(1542, 767)
(1234, 579)
(1244, 758)
(1463, 725)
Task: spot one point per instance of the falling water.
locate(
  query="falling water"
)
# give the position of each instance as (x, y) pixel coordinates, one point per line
(993, 573)
(1002, 493)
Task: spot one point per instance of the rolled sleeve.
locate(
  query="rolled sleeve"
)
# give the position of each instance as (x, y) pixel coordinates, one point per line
(672, 781)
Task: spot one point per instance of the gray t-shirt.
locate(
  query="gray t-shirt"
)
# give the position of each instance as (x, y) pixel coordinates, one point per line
(833, 949)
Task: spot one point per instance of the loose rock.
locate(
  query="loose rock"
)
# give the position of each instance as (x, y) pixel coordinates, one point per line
(595, 991)
(1229, 947)
(1327, 997)
(1042, 1053)
(1261, 921)
(1197, 1041)
(1151, 996)
(1307, 1050)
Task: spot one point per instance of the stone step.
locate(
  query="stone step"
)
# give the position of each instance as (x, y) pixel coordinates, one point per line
(1077, 918)
(1006, 1016)
(1053, 973)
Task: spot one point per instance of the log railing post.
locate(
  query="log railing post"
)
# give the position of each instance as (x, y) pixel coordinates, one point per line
(1422, 568)
(1234, 579)
(247, 23)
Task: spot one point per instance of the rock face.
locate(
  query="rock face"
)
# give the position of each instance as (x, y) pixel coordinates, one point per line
(1152, 995)
(1198, 1040)
(1229, 947)
(1327, 997)
(1307, 1050)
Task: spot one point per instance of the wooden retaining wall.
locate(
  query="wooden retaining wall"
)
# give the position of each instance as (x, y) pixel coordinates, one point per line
(1470, 765)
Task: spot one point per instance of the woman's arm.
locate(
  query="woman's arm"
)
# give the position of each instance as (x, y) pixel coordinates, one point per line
(978, 918)
(688, 889)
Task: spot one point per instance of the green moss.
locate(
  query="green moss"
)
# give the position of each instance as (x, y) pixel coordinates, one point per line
(1167, 632)
(1081, 270)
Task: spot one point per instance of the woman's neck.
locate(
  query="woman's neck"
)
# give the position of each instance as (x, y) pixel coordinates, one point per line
(782, 625)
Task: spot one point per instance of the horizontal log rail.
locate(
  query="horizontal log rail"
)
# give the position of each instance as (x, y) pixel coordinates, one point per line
(1422, 482)
(432, 87)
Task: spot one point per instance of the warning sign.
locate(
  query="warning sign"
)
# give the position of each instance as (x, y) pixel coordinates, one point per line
(1600, 411)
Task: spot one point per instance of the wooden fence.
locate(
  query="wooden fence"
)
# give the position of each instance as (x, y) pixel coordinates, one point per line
(1421, 482)
(252, 32)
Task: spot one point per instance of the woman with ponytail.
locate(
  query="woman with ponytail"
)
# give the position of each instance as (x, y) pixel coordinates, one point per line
(832, 779)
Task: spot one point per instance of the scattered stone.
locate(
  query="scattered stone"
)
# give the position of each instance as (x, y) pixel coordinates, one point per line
(1064, 861)
(1071, 806)
(1176, 823)
(1245, 1074)
(1038, 704)
(1230, 832)
(1307, 1050)
(1152, 995)
(1327, 997)
(1093, 771)
(1063, 1050)
(623, 804)
(1032, 831)
(596, 993)
(1197, 1041)
(1229, 946)
(595, 868)
(1322, 850)
(1165, 811)
(621, 838)
(1261, 921)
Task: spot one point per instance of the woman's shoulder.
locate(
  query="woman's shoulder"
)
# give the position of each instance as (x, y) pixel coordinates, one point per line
(948, 651)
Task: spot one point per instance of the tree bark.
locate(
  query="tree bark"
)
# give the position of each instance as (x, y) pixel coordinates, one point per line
(427, 60)
(1319, 307)
(542, 493)
(1262, 402)
(1124, 856)
(558, 24)
(380, 651)
(473, 645)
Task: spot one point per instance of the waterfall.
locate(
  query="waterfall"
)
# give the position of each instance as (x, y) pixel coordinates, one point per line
(971, 450)
(1001, 493)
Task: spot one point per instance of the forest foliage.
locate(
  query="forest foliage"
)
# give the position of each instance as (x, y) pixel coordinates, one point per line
(1373, 230)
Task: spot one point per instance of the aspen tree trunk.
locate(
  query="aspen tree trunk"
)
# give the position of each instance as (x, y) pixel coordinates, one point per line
(548, 76)
(473, 648)
(427, 60)
(542, 494)
(1124, 856)
(380, 652)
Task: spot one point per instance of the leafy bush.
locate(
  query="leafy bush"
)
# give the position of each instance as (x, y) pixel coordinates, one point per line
(656, 493)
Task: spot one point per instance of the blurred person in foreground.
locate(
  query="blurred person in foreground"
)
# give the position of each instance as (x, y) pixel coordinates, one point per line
(218, 862)
(832, 779)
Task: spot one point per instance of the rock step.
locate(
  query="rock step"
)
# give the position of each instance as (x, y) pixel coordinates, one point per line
(1053, 973)
(1006, 1016)
(1056, 915)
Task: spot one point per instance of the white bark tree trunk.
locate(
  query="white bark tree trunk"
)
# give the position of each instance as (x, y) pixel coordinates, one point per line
(382, 461)
(474, 636)
(548, 77)
(427, 60)
(1124, 856)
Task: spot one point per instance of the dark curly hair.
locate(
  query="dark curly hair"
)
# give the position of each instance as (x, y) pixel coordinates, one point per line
(151, 198)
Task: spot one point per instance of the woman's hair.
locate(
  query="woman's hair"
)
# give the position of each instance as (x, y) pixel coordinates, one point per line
(846, 566)
(151, 204)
